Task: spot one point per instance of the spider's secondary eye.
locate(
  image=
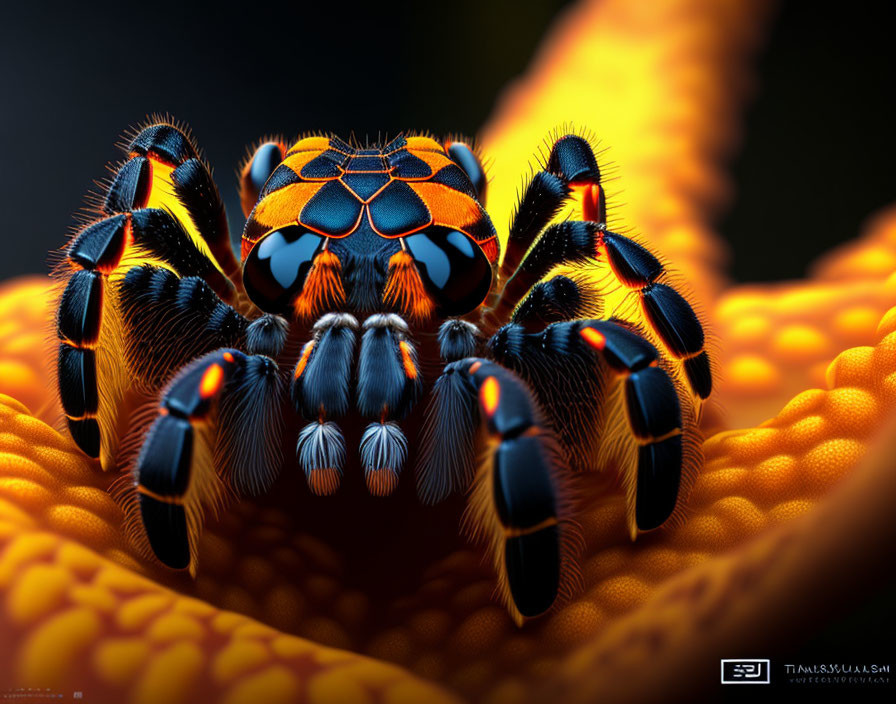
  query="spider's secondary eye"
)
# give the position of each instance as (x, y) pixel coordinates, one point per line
(454, 270)
(275, 270)
(267, 157)
(464, 157)
(256, 173)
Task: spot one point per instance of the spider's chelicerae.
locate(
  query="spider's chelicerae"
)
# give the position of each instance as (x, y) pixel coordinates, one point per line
(371, 283)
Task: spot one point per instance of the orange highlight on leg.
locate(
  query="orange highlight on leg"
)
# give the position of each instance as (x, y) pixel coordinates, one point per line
(593, 338)
(490, 395)
(303, 360)
(211, 382)
(407, 359)
(592, 199)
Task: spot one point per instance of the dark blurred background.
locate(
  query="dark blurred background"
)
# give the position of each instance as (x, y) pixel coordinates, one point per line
(816, 160)
(73, 78)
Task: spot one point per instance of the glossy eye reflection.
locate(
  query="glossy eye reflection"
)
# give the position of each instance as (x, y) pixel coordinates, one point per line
(454, 270)
(257, 172)
(463, 156)
(275, 270)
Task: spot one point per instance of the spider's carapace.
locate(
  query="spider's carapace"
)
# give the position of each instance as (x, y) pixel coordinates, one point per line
(331, 218)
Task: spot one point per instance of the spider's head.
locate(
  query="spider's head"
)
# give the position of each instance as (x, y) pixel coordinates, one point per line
(398, 227)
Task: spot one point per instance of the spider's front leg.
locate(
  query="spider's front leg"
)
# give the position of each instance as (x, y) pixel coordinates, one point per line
(609, 393)
(516, 501)
(218, 419)
(534, 249)
(161, 212)
(320, 390)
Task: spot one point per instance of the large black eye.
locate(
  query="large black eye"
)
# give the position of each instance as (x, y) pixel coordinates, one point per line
(454, 270)
(275, 270)
(464, 157)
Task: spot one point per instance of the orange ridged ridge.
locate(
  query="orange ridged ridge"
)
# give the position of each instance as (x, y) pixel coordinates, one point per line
(303, 359)
(404, 288)
(324, 481)
(323, 287)
(381, 482)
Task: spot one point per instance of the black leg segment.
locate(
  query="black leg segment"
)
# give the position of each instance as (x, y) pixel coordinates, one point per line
(78, 392)
(81, 309)
(193, 318)
(568, 242)
(523, 471)
(553, 301)
(322, 376)
(523, 483)
(164, 141)
(542, 199)
(659, 477)
(245, 391)
(321, 389)
(572, 159)
(130, 188)
(457, 339)
(652, 403)
(389, 380)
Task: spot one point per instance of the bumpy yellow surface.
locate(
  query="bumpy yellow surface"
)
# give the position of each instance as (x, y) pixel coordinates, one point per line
(797, 501)
(780, 339)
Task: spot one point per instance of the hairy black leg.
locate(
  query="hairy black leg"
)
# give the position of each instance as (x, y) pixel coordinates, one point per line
(515, 497)
(542, 199)
(78, 328)
(170, 320)
(569, 242)
(220, 412)
(321, 390)
(447, 443)
(389, 384)
(560, 298)
(164, 146)
(143, 222)
(667, 311)
(96, 257)
(570, 162)
(652, 404)
(458, 339)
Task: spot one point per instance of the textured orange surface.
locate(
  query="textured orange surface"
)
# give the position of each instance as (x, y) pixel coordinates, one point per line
(79, 612)
(27, 346)
(778, 508)
(780, 339)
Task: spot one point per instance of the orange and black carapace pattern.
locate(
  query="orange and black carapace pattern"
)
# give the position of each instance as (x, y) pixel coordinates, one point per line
(354, 210)
(403, 187)
(372, 306)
